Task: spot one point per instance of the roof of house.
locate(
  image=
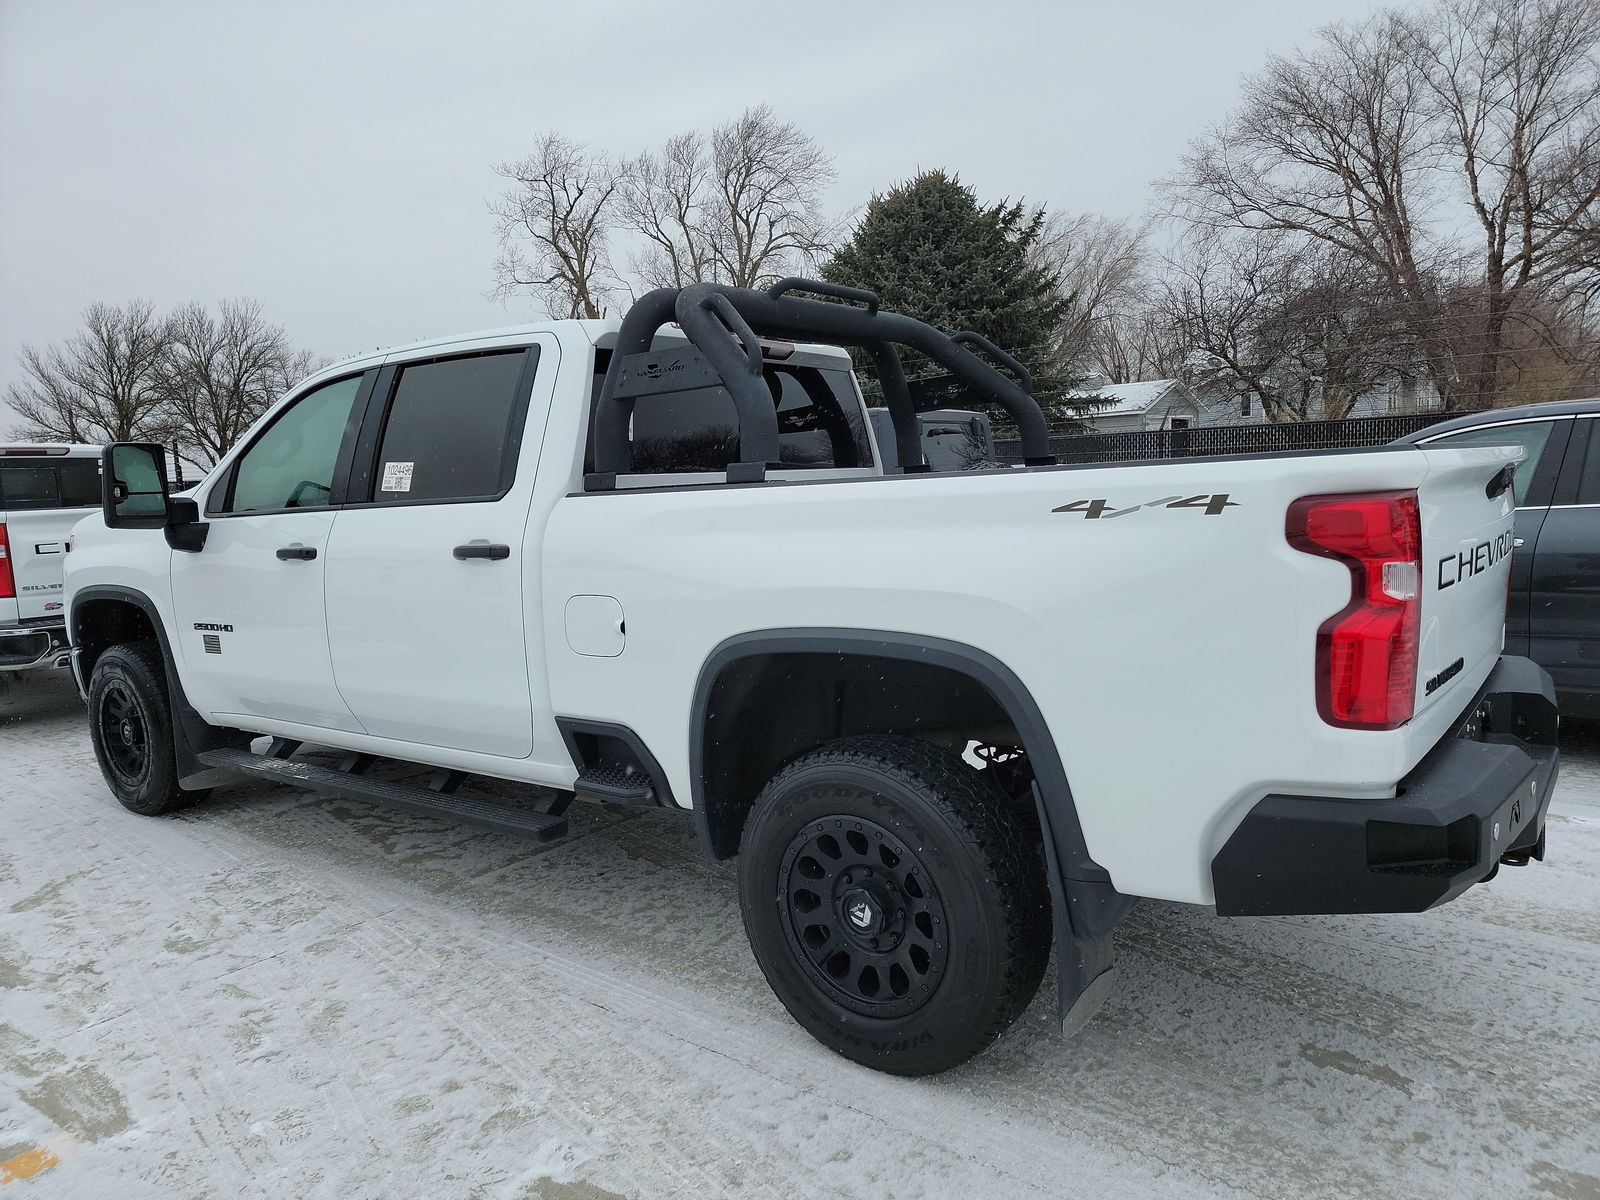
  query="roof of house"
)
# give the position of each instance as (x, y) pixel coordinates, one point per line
(1127, 397)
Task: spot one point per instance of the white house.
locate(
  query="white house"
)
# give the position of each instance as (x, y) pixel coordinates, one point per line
(1152, 404)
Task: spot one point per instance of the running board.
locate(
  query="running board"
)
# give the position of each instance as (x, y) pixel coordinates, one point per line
(504, 818)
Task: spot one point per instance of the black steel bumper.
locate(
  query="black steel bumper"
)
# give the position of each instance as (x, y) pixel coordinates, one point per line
(1478, 799)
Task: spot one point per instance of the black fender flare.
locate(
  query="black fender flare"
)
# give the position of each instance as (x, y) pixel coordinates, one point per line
(191, 732)
(1086, 907)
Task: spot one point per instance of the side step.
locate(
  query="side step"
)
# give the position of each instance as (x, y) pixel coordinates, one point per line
(615, 785)
(504, 818)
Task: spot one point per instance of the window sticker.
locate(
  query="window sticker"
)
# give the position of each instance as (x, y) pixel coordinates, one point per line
(397, 476)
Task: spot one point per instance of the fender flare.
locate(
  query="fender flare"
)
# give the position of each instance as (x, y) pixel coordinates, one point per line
(1085, 906)
(191, 732)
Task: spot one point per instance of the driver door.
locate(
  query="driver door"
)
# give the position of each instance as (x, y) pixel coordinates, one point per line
(252, 627)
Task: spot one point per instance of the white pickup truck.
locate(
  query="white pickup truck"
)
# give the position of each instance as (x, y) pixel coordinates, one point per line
(44, 490)
(942, 718)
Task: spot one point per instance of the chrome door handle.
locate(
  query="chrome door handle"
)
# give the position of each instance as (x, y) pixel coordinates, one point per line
(297, 551)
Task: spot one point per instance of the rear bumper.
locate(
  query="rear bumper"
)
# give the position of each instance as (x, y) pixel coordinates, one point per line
(23, 647)
(1477, 799)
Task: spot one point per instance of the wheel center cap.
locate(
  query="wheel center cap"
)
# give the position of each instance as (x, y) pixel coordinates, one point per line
(127, 732)
(862, 912)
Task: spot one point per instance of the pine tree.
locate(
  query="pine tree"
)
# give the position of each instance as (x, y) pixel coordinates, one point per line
(931, 251)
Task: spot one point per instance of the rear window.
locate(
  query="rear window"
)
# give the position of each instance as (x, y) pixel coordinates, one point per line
(448, 432)
(819, 425)
(49, 483)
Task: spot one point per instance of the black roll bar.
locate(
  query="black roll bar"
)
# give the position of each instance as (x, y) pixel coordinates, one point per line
(712, 315)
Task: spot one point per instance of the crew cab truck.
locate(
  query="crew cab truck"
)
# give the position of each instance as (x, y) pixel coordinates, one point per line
(43, 491)
(942, 718)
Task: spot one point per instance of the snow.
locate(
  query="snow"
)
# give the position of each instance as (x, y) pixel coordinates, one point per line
(1127, 397)
(282, 994)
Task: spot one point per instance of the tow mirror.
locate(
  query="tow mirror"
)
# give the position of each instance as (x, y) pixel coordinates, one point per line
(134, 494)
(133, 485)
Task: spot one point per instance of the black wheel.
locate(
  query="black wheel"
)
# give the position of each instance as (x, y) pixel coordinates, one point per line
(131, 727)
(895, 902)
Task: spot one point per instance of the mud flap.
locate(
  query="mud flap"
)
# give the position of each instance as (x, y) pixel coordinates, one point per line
(1084, 912)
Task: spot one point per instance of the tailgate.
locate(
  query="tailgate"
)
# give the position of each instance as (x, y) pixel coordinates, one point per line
(38, 548)
(1466, 568)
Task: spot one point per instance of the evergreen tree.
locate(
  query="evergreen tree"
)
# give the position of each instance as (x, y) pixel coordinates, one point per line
(931, 251)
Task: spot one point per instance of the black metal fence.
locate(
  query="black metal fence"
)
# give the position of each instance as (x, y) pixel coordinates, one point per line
(1228, 439)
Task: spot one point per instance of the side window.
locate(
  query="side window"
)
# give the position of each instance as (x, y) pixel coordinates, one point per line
(291, 464)
(447, 435)
(33, 486)
(819, 425)
(80, 482)
(1532, 436)
(1589, 483)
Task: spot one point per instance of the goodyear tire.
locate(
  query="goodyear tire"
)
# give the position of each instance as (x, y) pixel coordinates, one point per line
(130, 724)
(895, 901)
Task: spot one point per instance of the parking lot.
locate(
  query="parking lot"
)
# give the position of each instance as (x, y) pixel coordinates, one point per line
(283, 994)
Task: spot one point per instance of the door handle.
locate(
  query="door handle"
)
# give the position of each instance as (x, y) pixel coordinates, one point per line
(493, 551)
(297, 551)
(1516, 542)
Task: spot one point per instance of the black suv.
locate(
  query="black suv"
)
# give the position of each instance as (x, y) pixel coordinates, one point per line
(1554, 613)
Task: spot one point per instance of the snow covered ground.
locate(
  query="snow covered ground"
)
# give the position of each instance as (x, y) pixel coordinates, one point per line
(280, 994)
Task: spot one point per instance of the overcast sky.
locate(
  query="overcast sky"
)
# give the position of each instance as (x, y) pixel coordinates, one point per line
(334, 159)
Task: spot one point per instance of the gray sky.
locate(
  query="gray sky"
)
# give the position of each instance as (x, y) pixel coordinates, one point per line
(333, 160)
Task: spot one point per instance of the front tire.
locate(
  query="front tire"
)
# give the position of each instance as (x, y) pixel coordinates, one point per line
(130, 724)
(895, 902)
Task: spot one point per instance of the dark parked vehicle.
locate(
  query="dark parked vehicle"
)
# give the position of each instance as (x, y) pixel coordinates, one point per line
(1554, 613)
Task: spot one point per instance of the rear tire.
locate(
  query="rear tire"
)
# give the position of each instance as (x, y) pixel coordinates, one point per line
(895, 902)
(130, 724)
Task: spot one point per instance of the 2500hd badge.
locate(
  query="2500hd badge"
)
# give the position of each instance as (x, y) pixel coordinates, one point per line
(1457, 568)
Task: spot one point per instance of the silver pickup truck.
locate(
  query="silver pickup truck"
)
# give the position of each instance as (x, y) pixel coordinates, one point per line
(44, 492)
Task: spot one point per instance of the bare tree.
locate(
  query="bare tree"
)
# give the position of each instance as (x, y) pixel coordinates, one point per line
(1305, 333)
(768, 179)
(1352, 146)
(99, 385)
(1516, 89)
(664, 199)
(555, 225)
(743, 207)
(1139, 342)
(1100, 264)
(1333, 147)
(219, 373)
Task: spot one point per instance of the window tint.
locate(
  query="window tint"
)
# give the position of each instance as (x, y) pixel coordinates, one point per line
(80, 482)
(447, 431)
(30, 486)
(291, 464)
(819, 425)
(59, 483)
(1589, 483)
(1530, 435)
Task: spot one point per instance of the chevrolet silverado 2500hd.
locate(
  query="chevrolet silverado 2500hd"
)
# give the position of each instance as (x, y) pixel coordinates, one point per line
(942, 718)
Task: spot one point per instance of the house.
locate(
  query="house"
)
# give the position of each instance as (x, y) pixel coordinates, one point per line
(1151, 404)
(1223, 402)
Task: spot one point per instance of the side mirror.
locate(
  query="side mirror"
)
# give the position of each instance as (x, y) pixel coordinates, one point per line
(133, 485)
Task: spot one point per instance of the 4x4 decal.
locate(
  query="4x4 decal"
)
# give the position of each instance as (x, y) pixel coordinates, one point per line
(1209, 506)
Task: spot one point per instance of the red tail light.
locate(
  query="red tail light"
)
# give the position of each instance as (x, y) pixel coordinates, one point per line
(1367, 651)
(8, 583)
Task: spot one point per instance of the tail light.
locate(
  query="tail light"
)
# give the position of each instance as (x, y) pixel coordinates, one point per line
(1367, 651)
(8, 582)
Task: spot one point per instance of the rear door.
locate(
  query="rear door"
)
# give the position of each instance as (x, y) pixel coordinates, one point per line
(42, 496)
(432, 577)
(1564, 590)
(1544, 441)
(250, 614)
